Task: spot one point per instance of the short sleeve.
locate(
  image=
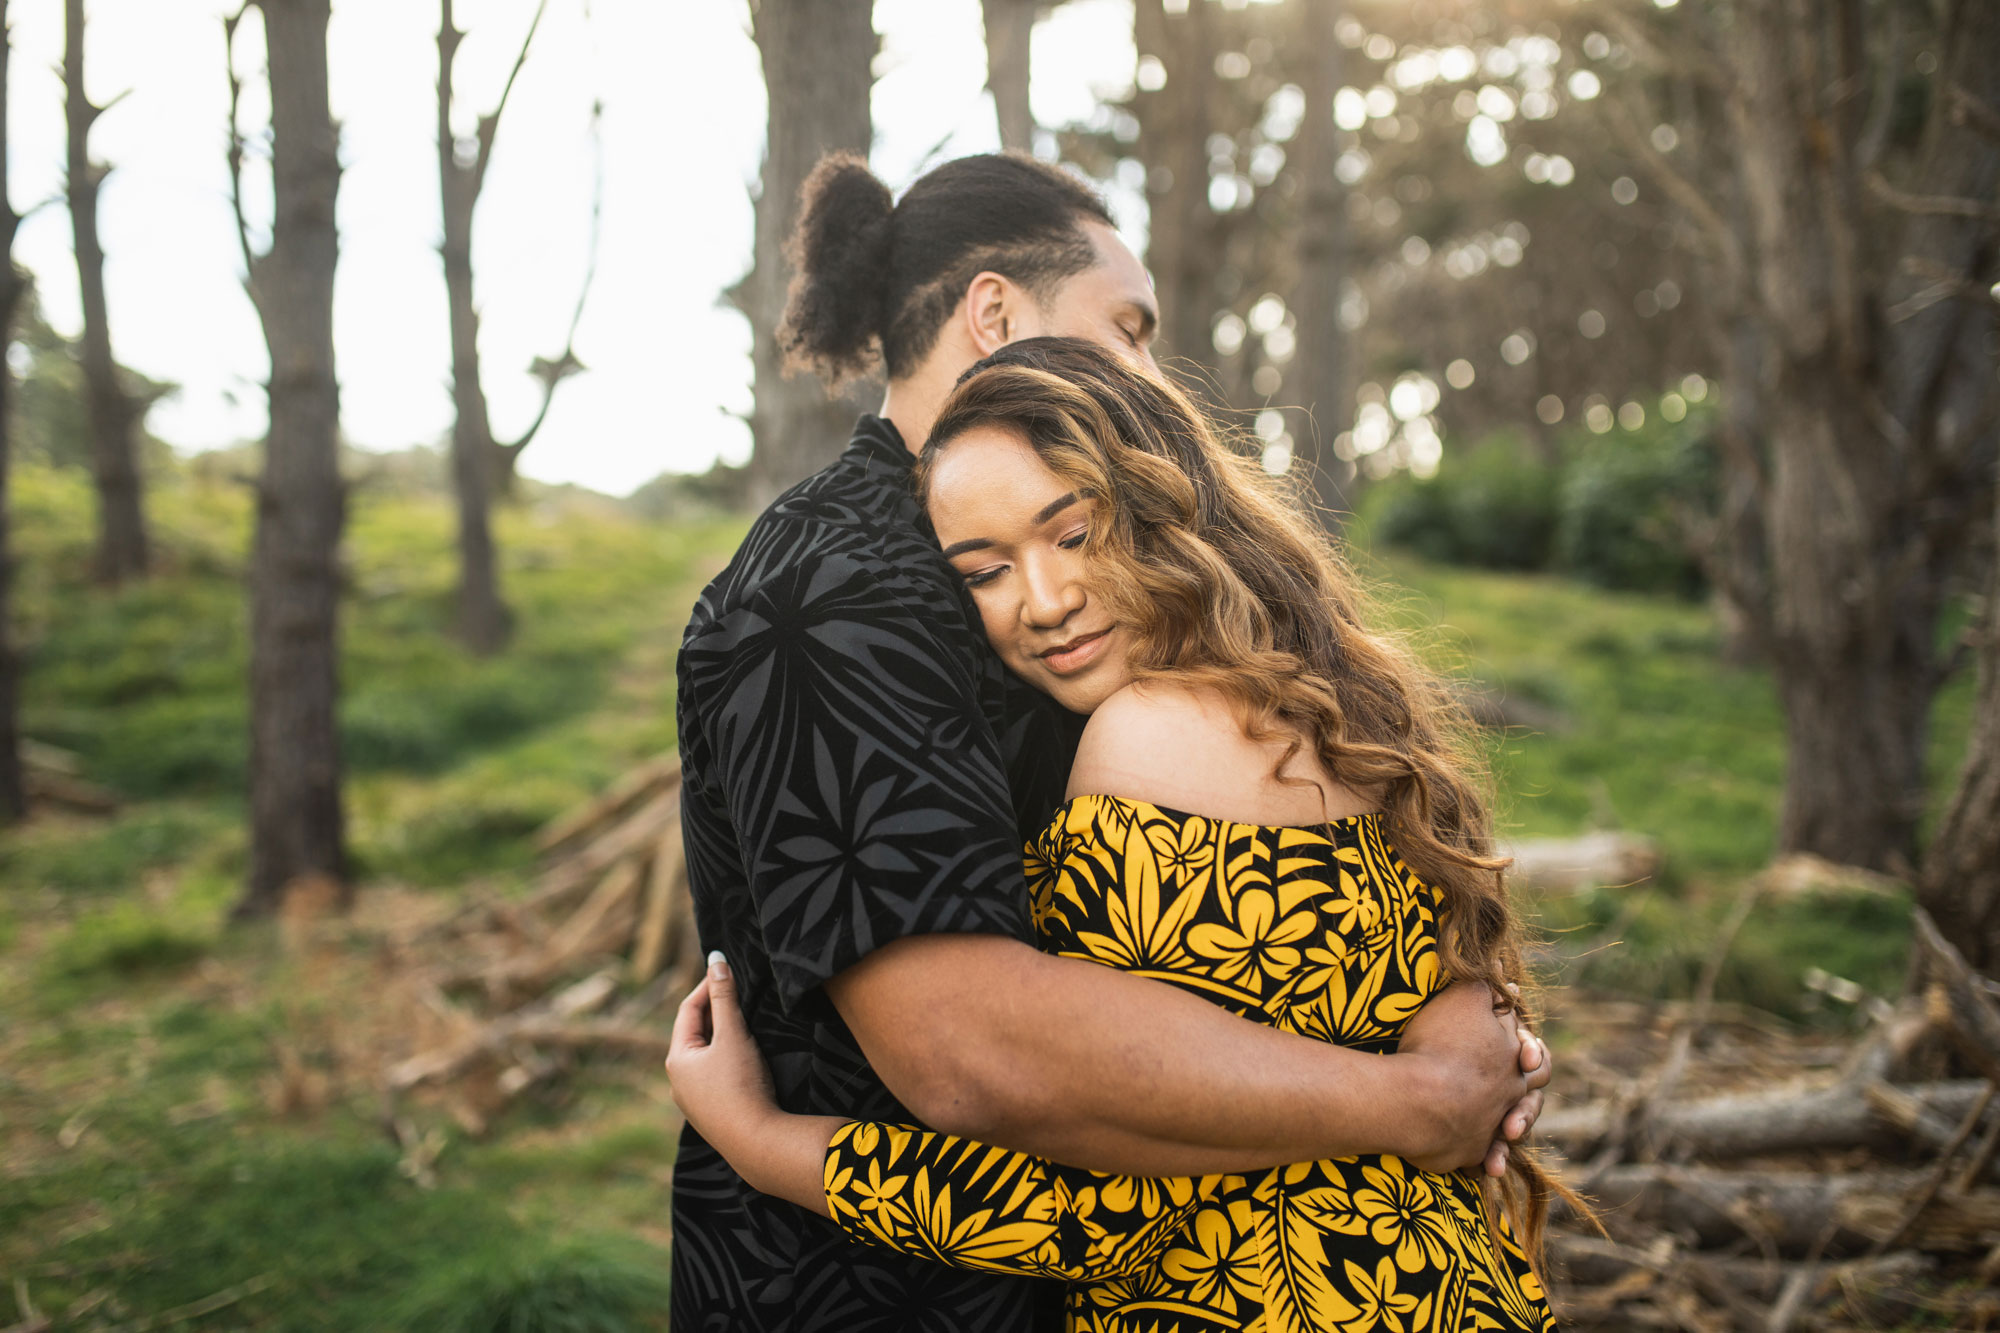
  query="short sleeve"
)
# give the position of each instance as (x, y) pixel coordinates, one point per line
(844, 733)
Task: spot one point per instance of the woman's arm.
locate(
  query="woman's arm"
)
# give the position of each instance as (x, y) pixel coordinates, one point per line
(931, 1196)
(719, 1081)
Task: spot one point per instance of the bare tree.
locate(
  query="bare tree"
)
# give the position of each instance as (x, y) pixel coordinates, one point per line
(1010, 31)
(114, 414)
(1319, 370)
(817, 57)
(1860, 305)
(1176, 118)
(482, 467)
(13, 793)
(296, 821)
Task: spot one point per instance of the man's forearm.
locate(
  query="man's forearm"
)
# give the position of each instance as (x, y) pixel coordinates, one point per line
(1082, 1064)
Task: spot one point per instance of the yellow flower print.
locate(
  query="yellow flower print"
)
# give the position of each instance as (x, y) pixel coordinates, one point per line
(1185, 851)
(1147, 1196)
(1403, 1211)
(1225, 1267)
(1382, 1308)
(1353, 906)
(1258, 941)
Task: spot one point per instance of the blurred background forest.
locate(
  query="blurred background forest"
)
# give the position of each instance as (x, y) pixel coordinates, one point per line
(383, 383)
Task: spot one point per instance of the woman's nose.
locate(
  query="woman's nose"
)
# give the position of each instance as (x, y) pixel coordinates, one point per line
(1053, 595)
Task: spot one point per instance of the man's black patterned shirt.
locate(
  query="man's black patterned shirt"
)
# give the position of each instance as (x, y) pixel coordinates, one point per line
(858, 767)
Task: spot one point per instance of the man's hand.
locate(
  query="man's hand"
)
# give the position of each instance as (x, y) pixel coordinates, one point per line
(1488, 1073)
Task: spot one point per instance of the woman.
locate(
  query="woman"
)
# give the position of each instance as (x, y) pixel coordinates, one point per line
(1266, 808)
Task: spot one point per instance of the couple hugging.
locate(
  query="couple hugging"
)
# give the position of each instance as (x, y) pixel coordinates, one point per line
(1234, 1044)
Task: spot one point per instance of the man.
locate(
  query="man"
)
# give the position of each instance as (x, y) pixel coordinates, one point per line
(860, 775)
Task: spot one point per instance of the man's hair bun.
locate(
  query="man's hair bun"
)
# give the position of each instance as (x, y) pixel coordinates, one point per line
(840, 253)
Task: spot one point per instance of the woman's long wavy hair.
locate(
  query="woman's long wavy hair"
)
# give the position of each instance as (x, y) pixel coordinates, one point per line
(1224, 581)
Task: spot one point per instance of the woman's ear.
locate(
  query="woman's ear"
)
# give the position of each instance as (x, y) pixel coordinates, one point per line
(993, 307)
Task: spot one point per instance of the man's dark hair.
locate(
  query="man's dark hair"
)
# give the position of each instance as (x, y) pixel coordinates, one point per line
(878, 278)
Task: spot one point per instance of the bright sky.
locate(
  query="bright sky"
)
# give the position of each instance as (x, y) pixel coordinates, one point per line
(682, 133)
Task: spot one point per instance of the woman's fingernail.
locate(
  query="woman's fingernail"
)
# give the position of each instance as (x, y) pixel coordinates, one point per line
(718, 966)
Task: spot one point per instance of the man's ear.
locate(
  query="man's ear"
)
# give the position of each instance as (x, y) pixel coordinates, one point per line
(993, 310)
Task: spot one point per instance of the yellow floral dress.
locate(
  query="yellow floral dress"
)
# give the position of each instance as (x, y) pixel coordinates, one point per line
(1321, 931)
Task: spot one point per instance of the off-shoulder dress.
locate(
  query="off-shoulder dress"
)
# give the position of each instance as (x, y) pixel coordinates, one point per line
(1322, 931)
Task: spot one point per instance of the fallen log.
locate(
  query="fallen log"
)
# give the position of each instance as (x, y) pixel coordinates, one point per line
(663, 771)
(1752, 1124)
(1791, 1214)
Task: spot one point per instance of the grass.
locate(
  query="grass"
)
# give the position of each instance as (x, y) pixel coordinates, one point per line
(189, 1129)
(188, 1113)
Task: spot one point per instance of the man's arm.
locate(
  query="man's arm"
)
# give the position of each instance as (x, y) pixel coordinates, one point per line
(986, 1037)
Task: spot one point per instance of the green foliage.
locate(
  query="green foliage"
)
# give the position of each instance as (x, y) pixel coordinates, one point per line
(1622, 499)
(1495, 508)
(1611, 511)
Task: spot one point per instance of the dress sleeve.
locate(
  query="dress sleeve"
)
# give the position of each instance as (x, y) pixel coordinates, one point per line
(843, 730)
(950, 1200)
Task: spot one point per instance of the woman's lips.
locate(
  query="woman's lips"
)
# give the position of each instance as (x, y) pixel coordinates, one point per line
(1077, 654)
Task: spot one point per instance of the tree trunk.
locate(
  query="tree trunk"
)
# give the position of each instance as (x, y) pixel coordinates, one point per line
(295, 809)
(1319, 367)
(13, 794)
(1851, 643)
(1960, 886)
(817, 57)
(1174, 123)
(1010, 30)
(484, 623)
(1878, 423)
(121, 527)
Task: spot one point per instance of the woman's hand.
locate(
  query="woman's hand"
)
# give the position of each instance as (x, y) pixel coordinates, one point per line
(716, 1072)
(719, 1081)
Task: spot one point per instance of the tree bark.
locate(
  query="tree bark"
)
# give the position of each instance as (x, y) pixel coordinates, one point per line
(121, 552)
(1319, 366)
(817, 57)
(484, 623)
(296, 821)
(1175, 121)
(13, 793)
(1880, 426)
(1960, 886)
(1010, 30)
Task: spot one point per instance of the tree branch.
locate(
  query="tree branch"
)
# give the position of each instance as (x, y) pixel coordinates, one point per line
(1931, 205)
(229, 26)
(552, 373)
(1969, 111)
(489, 124)
(1681, 190)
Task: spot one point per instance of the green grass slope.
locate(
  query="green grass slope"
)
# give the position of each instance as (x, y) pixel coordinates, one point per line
(183, 1133)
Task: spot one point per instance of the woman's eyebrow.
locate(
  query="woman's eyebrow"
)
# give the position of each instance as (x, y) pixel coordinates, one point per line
(1054, 507)
(969, 544)
(1042, 515)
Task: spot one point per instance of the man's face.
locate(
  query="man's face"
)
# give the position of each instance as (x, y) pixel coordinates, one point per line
(1110, 303)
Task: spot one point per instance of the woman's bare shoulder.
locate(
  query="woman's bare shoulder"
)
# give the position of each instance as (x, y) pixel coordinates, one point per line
(1169, 746)
(1185, 749)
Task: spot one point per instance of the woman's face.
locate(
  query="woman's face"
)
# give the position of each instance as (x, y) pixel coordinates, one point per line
(1018, 534)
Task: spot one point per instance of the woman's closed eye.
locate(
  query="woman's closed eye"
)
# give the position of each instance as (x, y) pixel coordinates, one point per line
(1075, 541)
(981, 577)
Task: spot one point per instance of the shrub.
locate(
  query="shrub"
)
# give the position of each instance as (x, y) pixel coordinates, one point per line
(1621, 506)
(1495, 508)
